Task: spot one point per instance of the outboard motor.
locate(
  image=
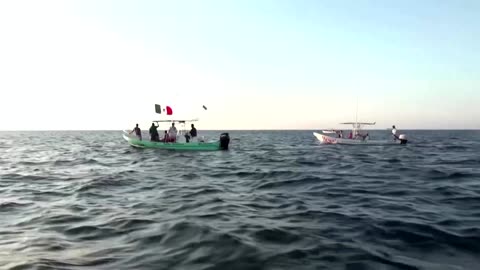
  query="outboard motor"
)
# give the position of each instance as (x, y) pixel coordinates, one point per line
(224, 141)
(403, 139)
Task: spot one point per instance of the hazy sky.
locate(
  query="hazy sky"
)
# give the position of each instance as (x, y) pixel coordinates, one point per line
(255, 64)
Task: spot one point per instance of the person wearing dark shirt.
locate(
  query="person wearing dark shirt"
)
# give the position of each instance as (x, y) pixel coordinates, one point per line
(193, 132)
(154, 133)
(137, 131)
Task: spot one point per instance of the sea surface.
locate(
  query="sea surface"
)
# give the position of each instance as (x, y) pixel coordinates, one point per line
(275, 200)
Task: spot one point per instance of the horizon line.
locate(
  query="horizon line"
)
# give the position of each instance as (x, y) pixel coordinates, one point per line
(285, 129)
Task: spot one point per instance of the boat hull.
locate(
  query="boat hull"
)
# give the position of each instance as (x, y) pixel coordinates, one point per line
(324, 139)
(191, 146)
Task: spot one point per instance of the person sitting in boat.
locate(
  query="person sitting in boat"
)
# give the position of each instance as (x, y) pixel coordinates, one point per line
(165, 137)
(340, 134)
(137, 131)
(193, 132)
(359, 136)
(363, 137)
(172, 133)
(154, 133)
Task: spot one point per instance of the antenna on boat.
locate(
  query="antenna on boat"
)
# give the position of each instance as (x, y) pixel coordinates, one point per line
(356, 126)
(356, 112)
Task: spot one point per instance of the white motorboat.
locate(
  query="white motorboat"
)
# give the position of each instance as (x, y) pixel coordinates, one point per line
(359, 137)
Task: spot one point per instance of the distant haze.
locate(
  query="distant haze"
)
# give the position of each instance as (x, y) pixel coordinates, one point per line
(254, 64)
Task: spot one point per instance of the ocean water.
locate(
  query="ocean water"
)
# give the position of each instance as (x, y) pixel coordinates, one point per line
(275, 200)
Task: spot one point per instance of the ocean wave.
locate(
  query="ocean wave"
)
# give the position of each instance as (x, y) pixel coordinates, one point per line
(427, 236)
(11, 206)
(107, 182)
(297, 183)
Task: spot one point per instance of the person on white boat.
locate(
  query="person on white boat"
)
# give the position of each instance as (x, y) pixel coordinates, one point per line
(172, 133)
(394, 133)
(350, 136)
(363, 136)
(356, 134)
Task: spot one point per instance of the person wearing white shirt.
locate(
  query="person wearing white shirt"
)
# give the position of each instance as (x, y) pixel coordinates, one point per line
(172, 133)
(394, 133)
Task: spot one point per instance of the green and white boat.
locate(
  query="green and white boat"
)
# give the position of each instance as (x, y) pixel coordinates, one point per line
(190, 146)
(195, 144)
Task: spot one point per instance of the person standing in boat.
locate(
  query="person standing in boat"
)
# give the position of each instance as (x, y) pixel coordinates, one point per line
(137, 131)
(172, 133)
(154, 133)
(394, 133)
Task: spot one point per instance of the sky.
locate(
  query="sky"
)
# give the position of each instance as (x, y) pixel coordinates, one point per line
(255, 64)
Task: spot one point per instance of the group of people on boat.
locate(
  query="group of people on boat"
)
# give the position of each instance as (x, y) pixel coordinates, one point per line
(356, 135)
(353, 135)
(169, 136)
